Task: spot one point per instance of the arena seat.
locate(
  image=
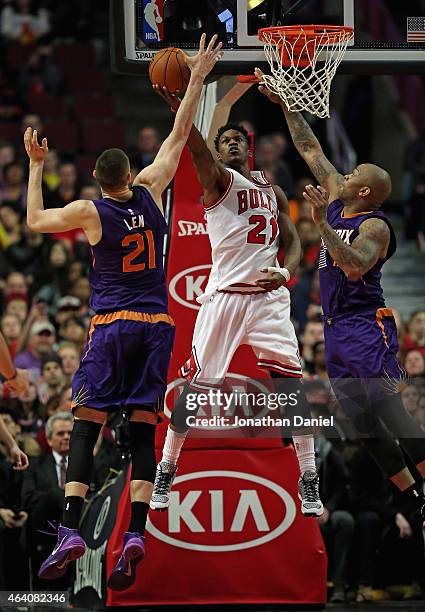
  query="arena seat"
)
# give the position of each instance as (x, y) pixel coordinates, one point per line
(62, 135)
(85, 165)
(87, 80)
(99, 135)
(47, 106)
(93, 106)
(10, 131)
(75, 55)
(17, 55)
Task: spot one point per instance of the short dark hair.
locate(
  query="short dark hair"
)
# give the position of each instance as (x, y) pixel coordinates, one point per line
(231, 126)
(112, 167)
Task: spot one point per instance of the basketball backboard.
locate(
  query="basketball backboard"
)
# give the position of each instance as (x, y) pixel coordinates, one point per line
(389, 34)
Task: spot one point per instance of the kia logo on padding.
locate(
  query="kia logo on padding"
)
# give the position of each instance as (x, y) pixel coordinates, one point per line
(204, 516)
(189, 284)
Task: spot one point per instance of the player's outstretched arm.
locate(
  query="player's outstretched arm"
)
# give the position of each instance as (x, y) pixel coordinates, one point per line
(158, 175)
(370, 245)
(212, 174)
(81, 213)
(308, 146)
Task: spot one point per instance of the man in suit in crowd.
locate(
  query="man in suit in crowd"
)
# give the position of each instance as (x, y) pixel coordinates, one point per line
(43, 491)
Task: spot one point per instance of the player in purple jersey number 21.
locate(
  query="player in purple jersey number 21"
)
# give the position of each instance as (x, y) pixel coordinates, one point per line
(125, 362)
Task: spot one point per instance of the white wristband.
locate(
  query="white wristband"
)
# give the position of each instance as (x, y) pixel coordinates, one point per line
(283, 271)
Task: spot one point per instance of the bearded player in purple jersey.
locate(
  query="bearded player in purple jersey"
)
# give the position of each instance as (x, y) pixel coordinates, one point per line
(125, 361)
(360, 331)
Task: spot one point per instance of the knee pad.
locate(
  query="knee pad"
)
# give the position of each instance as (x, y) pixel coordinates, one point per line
(142, 446)
(80, 462)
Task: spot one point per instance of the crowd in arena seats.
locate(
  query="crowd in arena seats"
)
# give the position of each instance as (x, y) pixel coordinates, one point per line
(372, 537)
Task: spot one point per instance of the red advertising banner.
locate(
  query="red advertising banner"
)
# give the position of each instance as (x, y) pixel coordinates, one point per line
(233, 534)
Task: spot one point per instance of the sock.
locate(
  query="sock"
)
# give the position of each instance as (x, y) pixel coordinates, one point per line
(139, 515)
(304, 448)
(172, 446)
(72, 509)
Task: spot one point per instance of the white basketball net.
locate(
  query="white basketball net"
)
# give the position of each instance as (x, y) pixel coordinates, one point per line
(300, 86)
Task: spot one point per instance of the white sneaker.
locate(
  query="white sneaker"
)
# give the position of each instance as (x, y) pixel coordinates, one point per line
(164, 478)
(308, 493)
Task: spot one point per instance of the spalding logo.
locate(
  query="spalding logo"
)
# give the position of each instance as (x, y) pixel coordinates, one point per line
(200, 513)
(189, 284)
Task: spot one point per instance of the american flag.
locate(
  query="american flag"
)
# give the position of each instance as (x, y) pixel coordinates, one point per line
(416, 29)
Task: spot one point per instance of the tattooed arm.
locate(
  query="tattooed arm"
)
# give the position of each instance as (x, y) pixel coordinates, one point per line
(358, 258)
(310, 150)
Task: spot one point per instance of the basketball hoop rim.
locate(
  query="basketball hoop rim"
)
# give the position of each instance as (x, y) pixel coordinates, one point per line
(311, 32)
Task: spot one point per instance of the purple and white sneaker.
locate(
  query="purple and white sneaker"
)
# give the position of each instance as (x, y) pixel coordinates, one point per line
(124, 573)
(69, 546)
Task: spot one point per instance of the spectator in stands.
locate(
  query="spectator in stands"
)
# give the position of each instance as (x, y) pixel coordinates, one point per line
(67, 307)
(318, 353)
(11, 328)
(30, 411)
(410, 398)
(26, 443)
(33, 121)
(70, 355)
(13, 571)
(67, 189)
(336, 523)
(414, 363)
(371, 504)
(51, 178)
(310, 243)
(297, 197)
(11, 222)
(90, 192)
(21, 21)
(17, 304)
(33, 254)
(7, 155)
(268, 159)
(65, 399)
(41, 340)
(75, 271)
(16, 283)
(148, 144)
(43, 491)
(11, 106)
(81, 290)
(54, 275)
(52, 377)
(313, 332)
(415, 338)
(40, 75)
(73, 330)
(13, 191)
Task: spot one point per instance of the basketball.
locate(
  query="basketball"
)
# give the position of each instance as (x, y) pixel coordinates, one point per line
(168, 68)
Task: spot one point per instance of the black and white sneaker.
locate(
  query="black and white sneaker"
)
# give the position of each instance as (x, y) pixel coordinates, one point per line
(308, 493)
(164, 478)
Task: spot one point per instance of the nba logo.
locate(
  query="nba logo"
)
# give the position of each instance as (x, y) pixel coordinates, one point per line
(153, 26)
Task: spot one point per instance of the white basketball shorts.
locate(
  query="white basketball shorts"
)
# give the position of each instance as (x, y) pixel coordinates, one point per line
(227, 320)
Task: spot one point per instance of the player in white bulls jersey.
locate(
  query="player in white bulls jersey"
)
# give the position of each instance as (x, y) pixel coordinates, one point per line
(245, 301)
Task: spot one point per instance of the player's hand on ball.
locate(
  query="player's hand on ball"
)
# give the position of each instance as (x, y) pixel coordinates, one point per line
(318, 198)
(273, 280)
(263, 89)
(36, 153)
(172, 99)
(204, 61)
